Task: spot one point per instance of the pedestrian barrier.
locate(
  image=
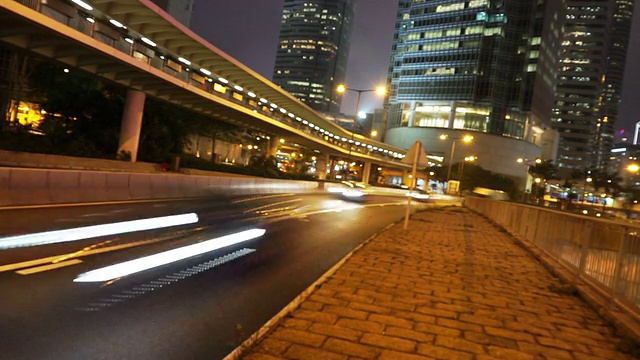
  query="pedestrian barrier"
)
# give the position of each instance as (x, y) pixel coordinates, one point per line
(603, 254)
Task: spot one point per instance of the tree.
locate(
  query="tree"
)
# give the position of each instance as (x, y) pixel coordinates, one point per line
(611, 183)
(263, 165)
(545, 169)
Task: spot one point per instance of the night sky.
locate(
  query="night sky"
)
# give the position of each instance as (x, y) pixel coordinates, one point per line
(248, 31)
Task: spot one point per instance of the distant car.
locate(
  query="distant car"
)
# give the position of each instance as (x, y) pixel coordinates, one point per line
(419, 195)
(354, 189)
(351, 190)
(490, 194)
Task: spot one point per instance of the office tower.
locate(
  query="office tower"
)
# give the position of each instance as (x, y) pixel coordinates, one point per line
(486, 67)
(312, 51)
(590, 82)
(179, 9)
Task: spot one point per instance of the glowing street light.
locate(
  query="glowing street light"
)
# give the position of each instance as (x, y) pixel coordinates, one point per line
(342, 89)
(467, 139)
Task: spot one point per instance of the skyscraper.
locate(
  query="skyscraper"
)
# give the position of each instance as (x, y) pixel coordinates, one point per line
(312, 50)
(481, 66)
(590, 82)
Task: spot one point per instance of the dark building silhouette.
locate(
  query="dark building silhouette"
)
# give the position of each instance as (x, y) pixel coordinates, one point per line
(312, 51)
(594, 51)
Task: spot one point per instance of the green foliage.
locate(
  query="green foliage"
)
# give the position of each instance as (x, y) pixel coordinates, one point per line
(263, 165)
(546, 170)
(475, 176)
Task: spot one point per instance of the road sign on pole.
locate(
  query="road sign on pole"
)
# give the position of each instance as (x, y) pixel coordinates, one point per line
(417, 157)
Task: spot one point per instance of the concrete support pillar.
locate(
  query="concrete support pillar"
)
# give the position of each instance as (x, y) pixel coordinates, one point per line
(132, 123)
(452, 115)
(412, 113)
(273, 146)
(321, 167)
(323, 163)
(366, 172)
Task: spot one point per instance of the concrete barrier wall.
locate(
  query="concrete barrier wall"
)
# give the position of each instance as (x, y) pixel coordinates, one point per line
(47, 161)
(22, 186)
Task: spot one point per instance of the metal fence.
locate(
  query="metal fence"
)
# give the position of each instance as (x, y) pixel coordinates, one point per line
(603, 253)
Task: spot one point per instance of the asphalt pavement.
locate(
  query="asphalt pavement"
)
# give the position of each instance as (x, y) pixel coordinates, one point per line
(450, 286)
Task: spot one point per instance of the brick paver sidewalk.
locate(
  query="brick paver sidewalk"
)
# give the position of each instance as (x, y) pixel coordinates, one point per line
(451, 286)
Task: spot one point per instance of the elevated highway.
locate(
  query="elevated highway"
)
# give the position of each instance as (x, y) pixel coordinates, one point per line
(137, 45)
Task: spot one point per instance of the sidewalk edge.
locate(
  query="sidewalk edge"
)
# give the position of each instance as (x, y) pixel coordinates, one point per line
(295, 303)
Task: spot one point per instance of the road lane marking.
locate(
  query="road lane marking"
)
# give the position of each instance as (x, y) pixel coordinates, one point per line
(48, 267)
(77, 254)
(94, 231)
(166, 257)
(164, 280)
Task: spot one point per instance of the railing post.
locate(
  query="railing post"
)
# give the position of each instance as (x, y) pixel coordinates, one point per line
(616, 272)
(585, 243)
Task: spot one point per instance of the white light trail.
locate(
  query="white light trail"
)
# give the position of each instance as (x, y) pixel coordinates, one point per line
(166, 257)
(88, 232)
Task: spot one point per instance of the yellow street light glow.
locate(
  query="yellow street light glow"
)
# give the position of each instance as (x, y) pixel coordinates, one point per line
(374, 133)
(341, 88)
(281, 141)
(381, 90)
(467, 138)
(589, 179)
(633, 167)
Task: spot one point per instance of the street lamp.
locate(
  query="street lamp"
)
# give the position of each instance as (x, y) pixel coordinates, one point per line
(528, 163)
(584, 189)
(470, 158)
(379, 90)
(342, 89)
(467, 139)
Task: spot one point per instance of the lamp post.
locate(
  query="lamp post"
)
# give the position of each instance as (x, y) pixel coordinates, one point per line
(466, 139)
(528, 163)
(342, 89)
(470, 158)
(584, 189)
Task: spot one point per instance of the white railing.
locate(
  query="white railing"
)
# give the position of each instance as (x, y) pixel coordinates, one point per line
(604, 254)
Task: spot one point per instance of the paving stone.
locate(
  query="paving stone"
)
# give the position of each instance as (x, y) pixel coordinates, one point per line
(346, 312)
(300, 352)
(352, 348)
(273, 346)
(452, 286)
(389, 342)
(336, 331)
(299, 337)
(438, 352)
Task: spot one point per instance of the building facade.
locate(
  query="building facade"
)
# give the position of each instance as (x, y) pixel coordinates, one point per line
(180, 10)
(481, 67)
(312, 50)
(594, 49)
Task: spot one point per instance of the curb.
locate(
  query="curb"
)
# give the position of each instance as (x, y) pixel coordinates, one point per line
(270, 325)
